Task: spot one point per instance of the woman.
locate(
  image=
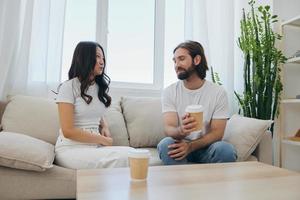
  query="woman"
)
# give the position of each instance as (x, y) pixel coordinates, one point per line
(84, 137)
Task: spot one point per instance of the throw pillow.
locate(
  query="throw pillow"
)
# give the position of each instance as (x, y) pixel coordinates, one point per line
(144, 120)
(245, 134)
(33, 116)
(117, 125)
(24, 152)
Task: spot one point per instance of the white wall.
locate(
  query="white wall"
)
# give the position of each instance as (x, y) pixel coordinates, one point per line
(287, 9)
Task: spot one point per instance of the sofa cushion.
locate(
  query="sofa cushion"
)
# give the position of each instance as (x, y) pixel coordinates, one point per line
(263, 151)
(91, 157)
(33, 116)
(2, 108)
(143, 117)
(24, 152)
(251, 158)
(244, 134)
(54, 183)
(117, 125)
(154, 157)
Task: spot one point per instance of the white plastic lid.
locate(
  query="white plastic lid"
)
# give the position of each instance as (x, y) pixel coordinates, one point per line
(194, 108)
(139, 153)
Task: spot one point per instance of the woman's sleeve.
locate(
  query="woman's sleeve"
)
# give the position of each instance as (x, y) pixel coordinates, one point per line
(65, 93)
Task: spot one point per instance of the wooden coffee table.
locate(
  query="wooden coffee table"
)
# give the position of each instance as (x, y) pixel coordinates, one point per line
(241, 180)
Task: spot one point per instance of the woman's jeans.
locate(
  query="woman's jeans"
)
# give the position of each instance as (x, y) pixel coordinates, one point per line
(217, 152)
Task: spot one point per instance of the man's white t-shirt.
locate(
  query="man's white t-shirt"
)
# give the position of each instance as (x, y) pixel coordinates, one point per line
(212, 97)
(86, 116)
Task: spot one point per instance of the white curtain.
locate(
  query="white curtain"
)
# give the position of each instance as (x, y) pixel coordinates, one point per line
(14, 42)
(31, 38)
(216, 25)
(31, 34)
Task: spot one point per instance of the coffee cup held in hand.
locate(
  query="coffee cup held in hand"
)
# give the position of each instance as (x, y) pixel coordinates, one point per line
(138, 163)
(196, 111)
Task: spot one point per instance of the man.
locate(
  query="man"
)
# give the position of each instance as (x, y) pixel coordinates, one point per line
(192, 88)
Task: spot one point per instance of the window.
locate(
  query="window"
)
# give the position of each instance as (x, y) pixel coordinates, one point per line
(174, 34)
(80, 25)
(138, 36)
(130, 41)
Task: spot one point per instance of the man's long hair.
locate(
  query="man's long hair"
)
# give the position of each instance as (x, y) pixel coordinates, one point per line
(195, 48)
(83, 63)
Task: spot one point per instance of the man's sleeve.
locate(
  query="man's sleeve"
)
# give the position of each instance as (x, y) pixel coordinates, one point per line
(222, 109)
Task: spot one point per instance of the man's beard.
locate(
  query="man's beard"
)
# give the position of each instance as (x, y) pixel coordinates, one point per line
(187, 72)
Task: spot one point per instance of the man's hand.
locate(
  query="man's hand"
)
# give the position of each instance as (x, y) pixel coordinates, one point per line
(188, 125)
(179, 150)
(172, 129)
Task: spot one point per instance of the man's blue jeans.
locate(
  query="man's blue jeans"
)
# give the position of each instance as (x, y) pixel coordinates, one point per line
(217, 152)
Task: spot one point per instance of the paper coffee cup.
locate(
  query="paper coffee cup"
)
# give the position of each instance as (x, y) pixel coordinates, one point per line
(138, 163)
(196, 111)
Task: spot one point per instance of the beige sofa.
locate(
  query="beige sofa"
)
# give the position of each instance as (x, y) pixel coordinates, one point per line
(134, 122)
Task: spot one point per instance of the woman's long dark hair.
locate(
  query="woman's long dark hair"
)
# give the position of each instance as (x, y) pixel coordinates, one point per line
(83, 63)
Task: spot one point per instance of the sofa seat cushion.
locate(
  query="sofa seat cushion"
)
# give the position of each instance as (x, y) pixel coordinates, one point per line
(33, 116)
(251, 158)
(154, 157)
(143, 117)
(245, 134)
(55, 183)
(24, 152)
(91, 157)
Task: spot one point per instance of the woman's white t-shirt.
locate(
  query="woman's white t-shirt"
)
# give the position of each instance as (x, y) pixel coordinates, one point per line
(212, 97)
(86, 116)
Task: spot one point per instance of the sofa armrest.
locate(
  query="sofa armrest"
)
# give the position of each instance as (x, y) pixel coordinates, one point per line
(264, 152)
(2, 108)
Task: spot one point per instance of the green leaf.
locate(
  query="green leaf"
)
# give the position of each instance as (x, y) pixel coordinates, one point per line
(262, 59)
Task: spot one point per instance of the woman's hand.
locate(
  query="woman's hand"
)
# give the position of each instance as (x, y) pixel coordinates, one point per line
(105, 132)
(107, 141)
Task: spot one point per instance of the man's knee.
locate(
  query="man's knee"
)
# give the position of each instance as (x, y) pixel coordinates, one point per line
(223, 152)
(162, 146)
(163, 150)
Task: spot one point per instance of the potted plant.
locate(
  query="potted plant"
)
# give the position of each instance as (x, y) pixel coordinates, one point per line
(262, 61)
